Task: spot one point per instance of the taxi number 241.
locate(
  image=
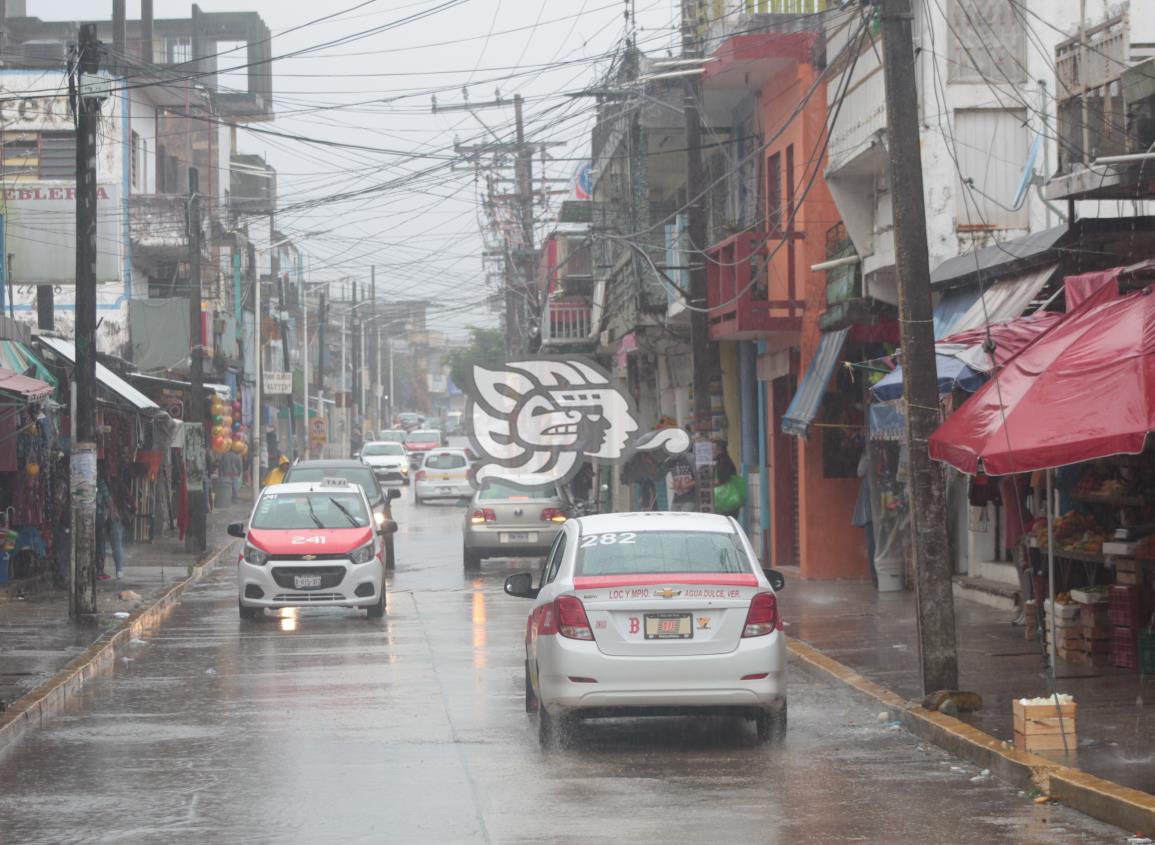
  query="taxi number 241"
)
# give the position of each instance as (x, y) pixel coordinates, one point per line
(297, 541)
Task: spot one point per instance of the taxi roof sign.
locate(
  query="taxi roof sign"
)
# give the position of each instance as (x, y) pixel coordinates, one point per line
(334, 482)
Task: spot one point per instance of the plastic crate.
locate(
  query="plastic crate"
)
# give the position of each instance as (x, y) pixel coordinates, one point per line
(1124, 606)
(1124, 648)
(1147, 652)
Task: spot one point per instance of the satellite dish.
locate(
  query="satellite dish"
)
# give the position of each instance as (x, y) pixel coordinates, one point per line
(1028, 173)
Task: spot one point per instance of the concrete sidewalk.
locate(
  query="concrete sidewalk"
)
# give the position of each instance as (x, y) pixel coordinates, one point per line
(37, 639)
(875, 635)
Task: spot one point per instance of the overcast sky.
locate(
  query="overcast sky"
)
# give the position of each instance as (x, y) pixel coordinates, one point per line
(374, 90)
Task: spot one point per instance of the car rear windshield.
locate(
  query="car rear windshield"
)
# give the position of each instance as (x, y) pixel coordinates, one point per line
(445, 461)
(374, 449)
(393, 436)
(310, 511)
(659, 552)
(425, 437)
(501, 490)
(362, 476)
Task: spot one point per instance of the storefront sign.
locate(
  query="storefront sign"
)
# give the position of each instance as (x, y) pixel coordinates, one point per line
(40, 221)
(278, 384)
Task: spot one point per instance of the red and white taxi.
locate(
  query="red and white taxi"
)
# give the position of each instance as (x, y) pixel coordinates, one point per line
(311, 544)
(653, 614)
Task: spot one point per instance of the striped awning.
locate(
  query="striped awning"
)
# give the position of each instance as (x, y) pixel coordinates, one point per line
(15, 356)
(807, 401)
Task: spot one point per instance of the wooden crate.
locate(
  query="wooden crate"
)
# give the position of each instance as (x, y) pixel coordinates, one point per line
(1043, 718)
(1044, 742)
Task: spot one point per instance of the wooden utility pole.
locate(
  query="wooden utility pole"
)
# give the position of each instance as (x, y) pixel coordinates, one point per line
(524, 176)
(374, 369)
(196, 538)
(933, 570)
(703, 357)
(83, 459)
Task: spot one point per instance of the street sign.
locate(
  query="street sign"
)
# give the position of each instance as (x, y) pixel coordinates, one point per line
(278, 384)
(318, 432)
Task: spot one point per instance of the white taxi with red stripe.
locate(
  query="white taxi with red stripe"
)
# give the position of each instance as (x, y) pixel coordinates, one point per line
(312, 544)
(653, 613)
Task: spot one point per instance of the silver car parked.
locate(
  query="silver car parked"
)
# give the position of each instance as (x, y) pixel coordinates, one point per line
(511, 520)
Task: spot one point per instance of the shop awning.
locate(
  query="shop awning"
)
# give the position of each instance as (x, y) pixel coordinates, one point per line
(952, 373)
(15, 356)
(1084, 390)
(804, 407)
(113, 383)
(24, 386)
(962, 360)
(1005, 299)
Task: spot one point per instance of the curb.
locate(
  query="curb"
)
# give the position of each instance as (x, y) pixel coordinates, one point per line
(1129, 809)
(49, 698)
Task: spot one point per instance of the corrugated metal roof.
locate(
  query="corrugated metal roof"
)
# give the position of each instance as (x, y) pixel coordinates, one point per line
(997, 259)
(67, 349)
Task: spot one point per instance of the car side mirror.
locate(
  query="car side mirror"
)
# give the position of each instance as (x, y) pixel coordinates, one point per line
(387, 526)
(236, 529)
(392, 493)
(777, 579)
(520, 585)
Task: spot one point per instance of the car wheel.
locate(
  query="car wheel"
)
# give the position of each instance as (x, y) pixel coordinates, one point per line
(417, 500)
(531, 703)
(771, 726)
(377, 610)
(471, 559)
(390, 558)
(249, 614)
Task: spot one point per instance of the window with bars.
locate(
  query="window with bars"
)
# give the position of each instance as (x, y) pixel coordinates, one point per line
(38, 155)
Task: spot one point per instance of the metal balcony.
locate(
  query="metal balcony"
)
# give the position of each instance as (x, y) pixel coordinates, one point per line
(744, 303)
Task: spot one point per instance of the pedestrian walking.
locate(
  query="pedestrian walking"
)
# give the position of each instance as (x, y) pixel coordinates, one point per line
(862, 516)
(277, 474)
(682, 484)
(729, 486)
(109, 530)
(231, 469)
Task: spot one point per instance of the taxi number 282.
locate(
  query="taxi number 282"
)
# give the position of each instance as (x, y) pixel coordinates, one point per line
(297, 541)
(623, 538)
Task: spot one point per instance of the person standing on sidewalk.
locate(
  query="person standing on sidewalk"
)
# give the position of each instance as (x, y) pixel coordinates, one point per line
(109, 529)
(725, 474)
(231, 469)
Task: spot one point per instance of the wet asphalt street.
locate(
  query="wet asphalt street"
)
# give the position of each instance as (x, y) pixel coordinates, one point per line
(320, 726)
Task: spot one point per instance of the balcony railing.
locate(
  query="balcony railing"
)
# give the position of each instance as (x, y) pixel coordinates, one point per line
(743, 304)
(567, 320)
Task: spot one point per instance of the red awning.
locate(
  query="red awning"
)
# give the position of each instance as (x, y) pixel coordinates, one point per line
(30, 388)
(1083, 391)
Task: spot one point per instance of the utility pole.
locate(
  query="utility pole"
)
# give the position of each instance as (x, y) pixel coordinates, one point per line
(703, 354)
(933, 570)
(86, 108)
(524, 176)
(274, 275)
(196, 540)
(374, 370)
(258, 410)
(354, 337)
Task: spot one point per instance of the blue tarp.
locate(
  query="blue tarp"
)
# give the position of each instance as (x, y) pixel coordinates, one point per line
(806, 402)
(952, 306)
(952, 373)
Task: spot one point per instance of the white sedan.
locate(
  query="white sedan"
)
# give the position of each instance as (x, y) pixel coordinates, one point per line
(653, 614)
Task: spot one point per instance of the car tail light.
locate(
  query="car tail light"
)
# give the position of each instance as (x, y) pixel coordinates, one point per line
(553, 515)
(481, 516)
(571, 618)
(762, 618)
(548, 619)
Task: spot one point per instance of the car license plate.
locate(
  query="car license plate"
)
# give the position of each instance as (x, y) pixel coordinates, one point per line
(304, 582)
(446, 489)
(669, 626)
(519, 537)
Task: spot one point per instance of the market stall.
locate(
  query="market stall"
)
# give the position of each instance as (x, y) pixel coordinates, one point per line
(1070, 415)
